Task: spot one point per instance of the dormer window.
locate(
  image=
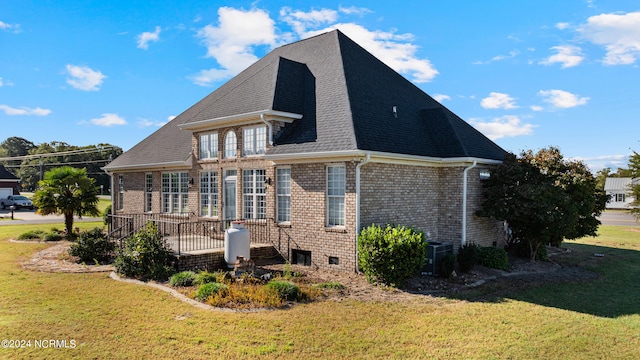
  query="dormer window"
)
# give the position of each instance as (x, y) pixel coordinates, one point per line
(230, 145)
(254, 140)
(209, 146)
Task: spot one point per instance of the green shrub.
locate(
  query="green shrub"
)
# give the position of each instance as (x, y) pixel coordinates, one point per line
(93, 246)
(524, 251)
(447, 266)
(145, 255)
(32, 235)
(391, 255)
(208, 289)
(184, 278)
(53, 236)
(333, 285)
(468, 255)
(105, 215)
(286, 289)
(494, 257)
(205, 277)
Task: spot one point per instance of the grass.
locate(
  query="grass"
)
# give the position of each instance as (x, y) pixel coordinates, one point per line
(109, 319)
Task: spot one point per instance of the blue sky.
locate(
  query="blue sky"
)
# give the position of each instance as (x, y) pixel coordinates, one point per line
(528, 74)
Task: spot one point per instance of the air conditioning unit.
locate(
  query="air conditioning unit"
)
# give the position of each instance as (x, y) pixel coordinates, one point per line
(435, 252)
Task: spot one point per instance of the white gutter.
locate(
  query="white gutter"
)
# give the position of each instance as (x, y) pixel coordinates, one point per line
(366, 160)
(464, 201)
(270, 126)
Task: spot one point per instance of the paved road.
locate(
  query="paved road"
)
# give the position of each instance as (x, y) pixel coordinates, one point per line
(619, 218)
(25, 216)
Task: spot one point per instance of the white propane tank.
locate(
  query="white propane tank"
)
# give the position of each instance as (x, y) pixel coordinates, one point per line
(236, 243)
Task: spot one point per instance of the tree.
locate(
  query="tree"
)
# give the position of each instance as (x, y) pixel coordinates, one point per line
(544, 198)
(601, 177)
(67, 191)
(634, 169)
(15, 146)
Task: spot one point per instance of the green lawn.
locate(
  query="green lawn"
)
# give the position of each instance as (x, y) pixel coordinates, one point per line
(109, 319)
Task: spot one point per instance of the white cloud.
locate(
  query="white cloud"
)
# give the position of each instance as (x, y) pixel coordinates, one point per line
(562, 99)
(232, 42)
(10, 27)
(568, 56)
(146, 37)
(505, 126)
(11, 111)
(169, 118)
(300, 21)
(497, 100)
(562, 25)
(536, 108)
(441, 97)
(146, 123)
(5, 82)
(354, 10)
(108, 120)
(84, 78)
(512, 54)
(619, 33)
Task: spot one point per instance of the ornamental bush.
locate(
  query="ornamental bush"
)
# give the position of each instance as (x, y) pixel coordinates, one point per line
(93, 246)
(145, 255)
(447, 266)
(468, 255)
(391, 255)
(494, 257)
(183, 278)
(208, 289)
(285, 289)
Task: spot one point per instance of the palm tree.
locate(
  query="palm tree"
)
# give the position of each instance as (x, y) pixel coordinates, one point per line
(67, 191)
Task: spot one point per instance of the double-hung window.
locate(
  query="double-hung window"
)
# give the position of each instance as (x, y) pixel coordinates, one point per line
(254, 140)
(209, 193)
(336, 188)
(254, 194)
(209, 146)
(230, 145)
(120, 192)
(283, 194)
(148, 192)
(175, 192)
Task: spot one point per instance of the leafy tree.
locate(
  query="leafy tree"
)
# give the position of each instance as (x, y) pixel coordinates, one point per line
(15, 146)
(67, 191)
(601, 177)
(634, 169)
(544, 198)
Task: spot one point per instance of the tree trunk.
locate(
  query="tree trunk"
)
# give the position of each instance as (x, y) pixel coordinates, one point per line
(68, 224)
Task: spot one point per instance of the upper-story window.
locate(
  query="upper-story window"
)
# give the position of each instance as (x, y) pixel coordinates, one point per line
(254, 140)
(209, 146)
(230, 145)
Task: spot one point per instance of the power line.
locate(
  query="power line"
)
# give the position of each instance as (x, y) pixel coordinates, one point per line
(60, 153)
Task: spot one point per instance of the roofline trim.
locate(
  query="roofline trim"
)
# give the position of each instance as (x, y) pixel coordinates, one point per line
(268, 114)
(173, 165)
(381, 157)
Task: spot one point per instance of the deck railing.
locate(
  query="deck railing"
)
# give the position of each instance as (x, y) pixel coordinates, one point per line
(186, 233)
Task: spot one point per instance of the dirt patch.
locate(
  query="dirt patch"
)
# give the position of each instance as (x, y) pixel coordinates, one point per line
(56, 258)
(522, 273)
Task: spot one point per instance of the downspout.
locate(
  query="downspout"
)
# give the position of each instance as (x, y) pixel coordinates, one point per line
(464, 201)
(270, 126)
(366, 160)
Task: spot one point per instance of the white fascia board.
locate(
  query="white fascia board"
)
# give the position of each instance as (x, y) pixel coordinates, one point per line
(241, 119)
(187, 164)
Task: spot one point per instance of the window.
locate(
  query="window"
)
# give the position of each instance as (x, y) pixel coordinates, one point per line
(209, 193)
(148, 191)
(120, 192)
(254, 198)
(209, 146)
(230, 145)
(175, 192)
(336, 187)
(254, 140)
(620, 197)
(283, 194)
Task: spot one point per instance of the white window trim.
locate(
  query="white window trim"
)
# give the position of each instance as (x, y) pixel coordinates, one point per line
(254, 194)
(227, 149)
(148, 192)
(327, 197)
(120, 192)
(181, 195)
(284, 222)
(211, 195)
(212, 149)
(256, 144)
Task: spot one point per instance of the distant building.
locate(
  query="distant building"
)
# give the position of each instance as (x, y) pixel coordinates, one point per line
(620, 191)
(8, 183)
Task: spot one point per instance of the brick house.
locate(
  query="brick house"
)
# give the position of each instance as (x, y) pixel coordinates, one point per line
(319, 138)
(9, 183)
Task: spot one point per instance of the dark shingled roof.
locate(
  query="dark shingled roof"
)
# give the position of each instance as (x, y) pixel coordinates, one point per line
(346, 97)
(6, 175)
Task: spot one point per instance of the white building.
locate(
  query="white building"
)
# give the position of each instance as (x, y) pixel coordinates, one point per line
(620, 191)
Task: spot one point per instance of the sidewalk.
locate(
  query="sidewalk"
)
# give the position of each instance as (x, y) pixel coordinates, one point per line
(25, 216)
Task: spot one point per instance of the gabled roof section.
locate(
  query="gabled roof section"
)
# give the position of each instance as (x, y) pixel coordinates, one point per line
(6, 175)
(619, 184)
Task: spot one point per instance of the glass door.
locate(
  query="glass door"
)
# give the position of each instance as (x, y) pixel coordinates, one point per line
(230, 195)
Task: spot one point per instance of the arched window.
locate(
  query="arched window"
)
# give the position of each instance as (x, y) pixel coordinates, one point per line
(230, 145)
